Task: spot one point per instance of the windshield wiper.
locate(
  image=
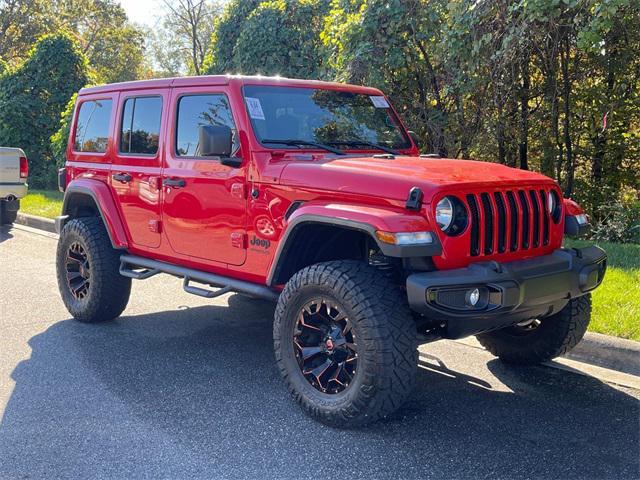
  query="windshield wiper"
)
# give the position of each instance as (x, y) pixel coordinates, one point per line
(305, 142)
(353, 143)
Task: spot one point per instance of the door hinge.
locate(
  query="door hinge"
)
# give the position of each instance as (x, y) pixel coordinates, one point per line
(239, 240)
(155, 226)
(237, 191)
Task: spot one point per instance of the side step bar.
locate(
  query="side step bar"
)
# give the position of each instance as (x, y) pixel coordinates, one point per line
(140, 268)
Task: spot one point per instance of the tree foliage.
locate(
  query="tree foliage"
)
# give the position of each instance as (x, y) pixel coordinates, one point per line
(32, 97)
(227, 28)
(60, 138)
(189, 24)
(114, 47)
(538, 84)
(278, 37)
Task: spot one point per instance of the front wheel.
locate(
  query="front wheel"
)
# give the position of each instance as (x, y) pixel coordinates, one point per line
(541, 340)
(345, 343)
(87, 268)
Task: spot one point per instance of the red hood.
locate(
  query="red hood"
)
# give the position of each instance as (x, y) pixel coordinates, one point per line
(392, 178)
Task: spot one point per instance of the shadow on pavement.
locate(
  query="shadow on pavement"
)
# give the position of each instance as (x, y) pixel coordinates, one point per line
(196, 393)
(5, 233)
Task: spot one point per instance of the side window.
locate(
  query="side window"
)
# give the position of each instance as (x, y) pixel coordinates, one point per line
(140, 128)
(92, 126)
(197, 110)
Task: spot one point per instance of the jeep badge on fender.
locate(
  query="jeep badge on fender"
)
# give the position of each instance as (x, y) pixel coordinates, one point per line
(366, 247)
(260, 242)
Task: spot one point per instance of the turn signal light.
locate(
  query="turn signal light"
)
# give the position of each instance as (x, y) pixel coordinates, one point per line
(405, 238)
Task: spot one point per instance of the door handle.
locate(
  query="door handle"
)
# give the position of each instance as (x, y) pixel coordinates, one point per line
(174, 182)
(122, 177)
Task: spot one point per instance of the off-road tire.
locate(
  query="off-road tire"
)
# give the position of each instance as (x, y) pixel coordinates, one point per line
(386, 333)
(555, 336)
(108, 292)
(7, 217)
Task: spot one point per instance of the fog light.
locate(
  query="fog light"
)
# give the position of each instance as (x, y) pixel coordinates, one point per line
(472, 297)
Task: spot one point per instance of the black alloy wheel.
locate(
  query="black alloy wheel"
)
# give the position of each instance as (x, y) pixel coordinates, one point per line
(325, 346)
(78, 271)
(88, 272)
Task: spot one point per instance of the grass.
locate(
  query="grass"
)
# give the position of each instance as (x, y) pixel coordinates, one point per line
(616, 303)
(43, 203)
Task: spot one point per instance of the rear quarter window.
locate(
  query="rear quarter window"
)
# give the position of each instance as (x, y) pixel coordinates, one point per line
(92, 126)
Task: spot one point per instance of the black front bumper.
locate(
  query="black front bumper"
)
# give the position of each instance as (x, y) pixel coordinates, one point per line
(508, 293)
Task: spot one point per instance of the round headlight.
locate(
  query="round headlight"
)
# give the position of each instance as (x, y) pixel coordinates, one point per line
(554, 205)
(444, 213)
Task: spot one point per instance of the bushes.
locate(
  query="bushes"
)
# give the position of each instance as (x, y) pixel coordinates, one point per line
(617, 222)
(32, 97)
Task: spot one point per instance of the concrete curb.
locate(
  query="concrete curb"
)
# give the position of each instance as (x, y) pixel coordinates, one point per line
(595, 349)
(33, 221)
(608, 352)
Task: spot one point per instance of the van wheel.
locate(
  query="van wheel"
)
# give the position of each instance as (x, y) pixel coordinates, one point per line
(87, 267)
(345, 343)
(537, 341)
(7, 216)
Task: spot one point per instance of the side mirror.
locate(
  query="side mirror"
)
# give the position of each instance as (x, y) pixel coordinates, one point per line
(414, 137)
(217, 141)
(214, 140)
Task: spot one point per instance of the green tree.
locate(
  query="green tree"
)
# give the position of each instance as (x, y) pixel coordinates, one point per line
(32, 97)
(227, 28)
(278, 37)
(114, 47)
(191, 24)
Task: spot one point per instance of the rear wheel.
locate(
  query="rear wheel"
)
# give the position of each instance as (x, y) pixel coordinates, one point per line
(541, 340)
(345, 343)
(8, 213)
(87, 267)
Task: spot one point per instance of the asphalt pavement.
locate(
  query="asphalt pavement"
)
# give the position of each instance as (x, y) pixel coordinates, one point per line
(184, 387)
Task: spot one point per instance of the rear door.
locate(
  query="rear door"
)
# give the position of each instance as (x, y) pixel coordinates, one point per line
(204, 202)
(135, 171)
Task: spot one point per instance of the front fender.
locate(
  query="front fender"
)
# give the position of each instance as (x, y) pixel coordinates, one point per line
(362, 218)
(104, 202)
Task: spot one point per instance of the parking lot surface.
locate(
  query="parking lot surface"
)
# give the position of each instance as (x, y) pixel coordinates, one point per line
(181, 386)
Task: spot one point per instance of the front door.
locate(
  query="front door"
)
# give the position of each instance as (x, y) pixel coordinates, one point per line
(136, 166)
(204, 202)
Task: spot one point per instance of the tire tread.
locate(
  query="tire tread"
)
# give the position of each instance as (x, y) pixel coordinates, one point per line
(109, 291)
(388, 330)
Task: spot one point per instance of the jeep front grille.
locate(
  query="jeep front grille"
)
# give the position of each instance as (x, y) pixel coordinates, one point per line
(508, 220)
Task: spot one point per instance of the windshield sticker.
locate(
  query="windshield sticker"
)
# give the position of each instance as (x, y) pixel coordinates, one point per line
(255, 108)
(379, 101)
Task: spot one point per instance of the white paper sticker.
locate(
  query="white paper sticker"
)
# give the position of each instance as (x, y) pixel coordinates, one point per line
(379, 101)
(255, 108)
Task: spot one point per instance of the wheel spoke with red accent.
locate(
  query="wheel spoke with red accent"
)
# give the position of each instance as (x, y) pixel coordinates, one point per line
(325, 346)
(77, 271)
(308, 352)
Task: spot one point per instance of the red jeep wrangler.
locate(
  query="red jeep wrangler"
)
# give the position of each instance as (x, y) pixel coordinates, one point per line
(315, 195)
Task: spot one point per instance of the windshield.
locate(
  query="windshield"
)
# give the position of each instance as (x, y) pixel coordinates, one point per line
(338, 118)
